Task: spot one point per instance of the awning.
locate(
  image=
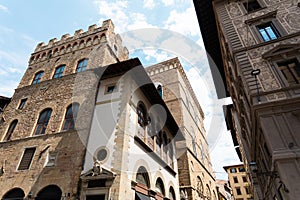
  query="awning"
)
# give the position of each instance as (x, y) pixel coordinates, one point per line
(140, 196)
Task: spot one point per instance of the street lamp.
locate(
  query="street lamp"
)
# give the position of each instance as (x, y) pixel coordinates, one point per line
(255, 73)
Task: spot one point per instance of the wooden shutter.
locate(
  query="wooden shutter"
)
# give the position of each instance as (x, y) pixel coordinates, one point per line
(26, 159)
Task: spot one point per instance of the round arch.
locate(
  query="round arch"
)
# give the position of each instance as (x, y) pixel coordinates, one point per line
(14, 194)
(50, 192)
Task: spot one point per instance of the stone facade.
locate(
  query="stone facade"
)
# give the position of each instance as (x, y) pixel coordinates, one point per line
(196, 176)
(239, 182)
(263, 118)
(67, 163)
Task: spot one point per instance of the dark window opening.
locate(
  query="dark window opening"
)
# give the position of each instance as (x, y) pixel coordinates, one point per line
(268, 31)
(251, 5)
(22, 104)
(96, 183)
(59, 71)
(10, 130)
(238, 191)
(110, 89)
(26, 159)
(235, 180)
(244, 179)
(96, 197)
(141, 112)
(290, 70)
(242, 169)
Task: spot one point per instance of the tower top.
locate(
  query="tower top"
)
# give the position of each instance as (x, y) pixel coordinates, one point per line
(107, 25)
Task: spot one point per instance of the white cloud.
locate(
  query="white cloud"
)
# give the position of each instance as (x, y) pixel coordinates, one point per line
(8, 88)
(121, 15)
(149, 4)
(158, 55)
(168, 2)
(185, 23)
(3, 8)
(139, 22)
(115, 11)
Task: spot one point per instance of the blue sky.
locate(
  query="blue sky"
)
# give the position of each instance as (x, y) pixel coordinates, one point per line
(24, 24)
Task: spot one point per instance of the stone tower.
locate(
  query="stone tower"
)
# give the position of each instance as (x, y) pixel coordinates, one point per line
(259, 45)
(37, 126)
(196, 175)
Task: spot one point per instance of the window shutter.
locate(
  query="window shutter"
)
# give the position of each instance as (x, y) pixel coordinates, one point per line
(26, 159)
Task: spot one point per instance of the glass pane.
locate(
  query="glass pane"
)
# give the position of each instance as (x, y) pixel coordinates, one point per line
(271, 32)
(264, 34)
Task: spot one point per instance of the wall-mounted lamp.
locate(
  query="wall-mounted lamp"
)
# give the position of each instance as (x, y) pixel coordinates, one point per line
(255, 73)
(253, 167)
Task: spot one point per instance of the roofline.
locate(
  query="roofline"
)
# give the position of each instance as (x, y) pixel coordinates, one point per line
(230, 166)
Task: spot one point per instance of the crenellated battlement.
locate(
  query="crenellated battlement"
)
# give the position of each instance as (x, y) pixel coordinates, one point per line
(67, 43)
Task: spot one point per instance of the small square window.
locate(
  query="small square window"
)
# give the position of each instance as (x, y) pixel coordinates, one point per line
(242, 169)
(238, 191)
(110, 88)
(244, 179)
(22, 104)
(26, 158)
(233, 170)
(251, 5)
(268, 31)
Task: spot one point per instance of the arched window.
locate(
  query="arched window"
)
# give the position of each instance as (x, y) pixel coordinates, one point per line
(50, 192)
(59, 71)
(10, 130)
(70, 116)
(208, 194)
(14, 194)
(159, 186)
(43, 121)
(142, 114)
(172, 193)
(82, 64)
(142, 177)
(37, 78)
(158, 143)
(199, 187)
(159, 90)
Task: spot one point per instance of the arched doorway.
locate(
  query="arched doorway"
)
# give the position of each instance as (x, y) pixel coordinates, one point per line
(50, 192)
(14, 194)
